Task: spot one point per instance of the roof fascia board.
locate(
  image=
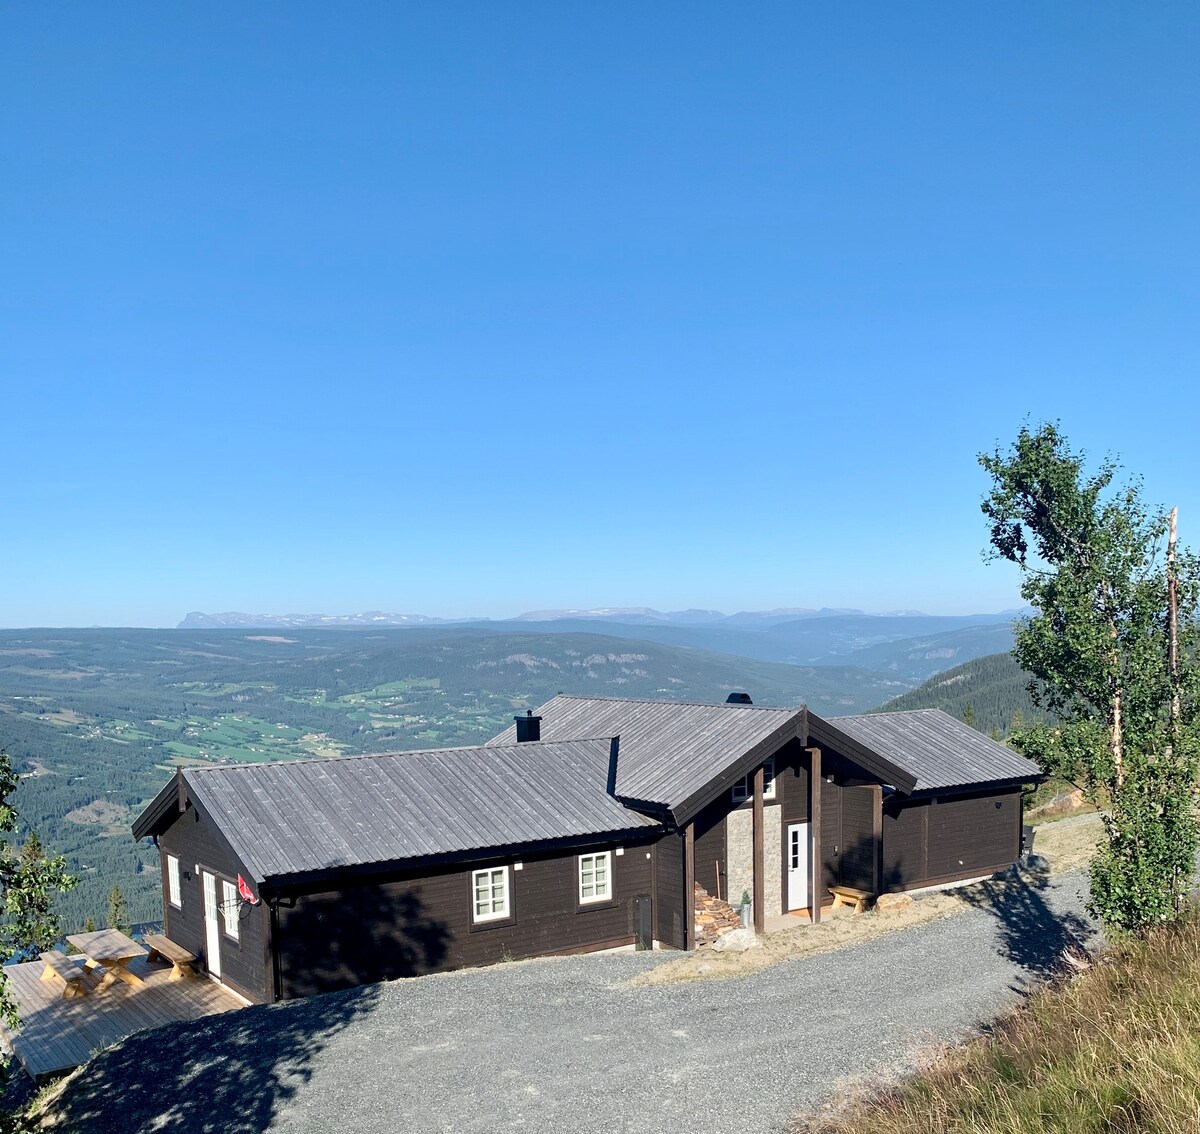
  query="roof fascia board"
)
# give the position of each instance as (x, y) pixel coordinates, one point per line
(724, 780)
(824, 733)
(980, 786)
(150, 822)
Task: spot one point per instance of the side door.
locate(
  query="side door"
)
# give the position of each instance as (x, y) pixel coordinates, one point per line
(212, 925)
(797, 865)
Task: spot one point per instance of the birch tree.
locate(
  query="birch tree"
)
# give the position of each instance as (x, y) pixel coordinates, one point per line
(1112, 650)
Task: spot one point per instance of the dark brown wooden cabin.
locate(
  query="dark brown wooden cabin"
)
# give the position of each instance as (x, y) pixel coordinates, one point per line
(581, 828)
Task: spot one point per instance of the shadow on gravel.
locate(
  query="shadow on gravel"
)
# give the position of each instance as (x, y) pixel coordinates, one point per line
(1033, 935)
(230, 1073)
(224, 1073)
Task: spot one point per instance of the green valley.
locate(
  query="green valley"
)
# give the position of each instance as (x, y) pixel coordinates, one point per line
(96, 721)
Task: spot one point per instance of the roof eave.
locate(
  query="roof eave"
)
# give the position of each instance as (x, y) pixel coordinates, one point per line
(151, 820)
(304, 879)
(978, 785)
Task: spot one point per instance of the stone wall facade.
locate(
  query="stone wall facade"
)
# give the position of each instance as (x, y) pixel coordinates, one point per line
(739, 850)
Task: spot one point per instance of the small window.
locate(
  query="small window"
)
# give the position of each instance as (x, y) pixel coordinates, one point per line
(744, 788)
(173, 882)
(595, 877)
(490, 892)
(231, 908)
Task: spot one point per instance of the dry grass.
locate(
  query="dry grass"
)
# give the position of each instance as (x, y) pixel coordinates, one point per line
(1116, 1049)
(1066, 844)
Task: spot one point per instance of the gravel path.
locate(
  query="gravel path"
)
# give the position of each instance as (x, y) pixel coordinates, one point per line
(564, 1045)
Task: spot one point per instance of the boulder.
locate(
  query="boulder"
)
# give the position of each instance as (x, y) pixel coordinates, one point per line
(887, 902)
(736, 940)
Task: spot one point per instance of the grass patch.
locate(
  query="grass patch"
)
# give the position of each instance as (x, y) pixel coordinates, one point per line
(1115, 1049)
(1067, 845)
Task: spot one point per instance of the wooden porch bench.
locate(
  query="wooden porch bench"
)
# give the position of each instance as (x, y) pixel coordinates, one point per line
(849, 896)
(164, 949)
(73, 971)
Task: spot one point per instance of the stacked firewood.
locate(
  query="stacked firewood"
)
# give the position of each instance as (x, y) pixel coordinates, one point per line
(714, 918)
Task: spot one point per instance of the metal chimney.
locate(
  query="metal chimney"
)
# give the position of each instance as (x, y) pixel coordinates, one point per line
(738, 699)
(529, 727)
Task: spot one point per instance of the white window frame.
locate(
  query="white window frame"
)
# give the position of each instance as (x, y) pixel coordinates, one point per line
(174, 894)
(495, 912)
(231, 909)
(744, 788)
(597, 895)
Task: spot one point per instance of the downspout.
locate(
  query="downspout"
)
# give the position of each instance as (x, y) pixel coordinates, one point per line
(273, 950)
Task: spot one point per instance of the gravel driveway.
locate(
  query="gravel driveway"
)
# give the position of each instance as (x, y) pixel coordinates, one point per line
(564, 1045)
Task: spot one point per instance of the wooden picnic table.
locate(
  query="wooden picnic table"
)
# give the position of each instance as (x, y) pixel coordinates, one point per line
(110, 950)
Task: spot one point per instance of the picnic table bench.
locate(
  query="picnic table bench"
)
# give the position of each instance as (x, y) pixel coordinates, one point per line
(164, 949)
(849, 896)
(109, 952)
(73, 971)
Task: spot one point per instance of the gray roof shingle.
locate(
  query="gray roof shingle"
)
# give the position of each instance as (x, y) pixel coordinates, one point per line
(300, 816)
(935, 748)
(669, 749)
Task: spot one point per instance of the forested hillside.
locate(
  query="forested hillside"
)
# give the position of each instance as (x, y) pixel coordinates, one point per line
(989, 692)
(96, 720)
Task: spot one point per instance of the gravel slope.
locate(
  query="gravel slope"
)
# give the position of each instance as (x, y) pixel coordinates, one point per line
(563, 1045)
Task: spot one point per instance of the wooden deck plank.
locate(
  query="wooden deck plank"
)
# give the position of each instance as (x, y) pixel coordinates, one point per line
(57, 1035)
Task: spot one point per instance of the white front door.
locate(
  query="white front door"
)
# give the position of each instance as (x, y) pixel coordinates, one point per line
(797, 866)
(212, 927)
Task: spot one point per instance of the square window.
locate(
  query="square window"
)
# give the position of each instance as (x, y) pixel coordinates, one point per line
(231, 908)
(595, 877)
(173, 894)
(744, 788)
(490, 891)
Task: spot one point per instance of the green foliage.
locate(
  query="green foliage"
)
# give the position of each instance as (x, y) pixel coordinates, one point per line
(1092, 561)
(993, 690)
(118, 915)
(28, 882)
(29, 897)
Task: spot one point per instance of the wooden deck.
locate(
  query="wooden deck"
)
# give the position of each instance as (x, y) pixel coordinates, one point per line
(57, 1035)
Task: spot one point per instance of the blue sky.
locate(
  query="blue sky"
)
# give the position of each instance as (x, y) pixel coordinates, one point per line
(467, 309)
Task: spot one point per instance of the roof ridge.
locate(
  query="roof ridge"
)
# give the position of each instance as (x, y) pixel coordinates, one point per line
(454, 749)
(691, 704)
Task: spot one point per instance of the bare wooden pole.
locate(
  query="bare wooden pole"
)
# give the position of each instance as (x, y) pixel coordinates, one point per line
(816, 870)
(760, 889)
(1173, 623)
(689, 886)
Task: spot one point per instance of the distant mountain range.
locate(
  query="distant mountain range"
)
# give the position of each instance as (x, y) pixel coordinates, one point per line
(236, 619)
(626, 615)
(906, 648)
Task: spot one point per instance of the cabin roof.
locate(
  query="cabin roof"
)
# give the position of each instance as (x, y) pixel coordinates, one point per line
(670, 750)
(303, 816)
(936, 750)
